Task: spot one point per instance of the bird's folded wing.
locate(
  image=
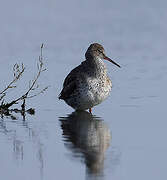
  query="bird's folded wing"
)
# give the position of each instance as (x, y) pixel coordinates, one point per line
(69, 86)
(72, 81)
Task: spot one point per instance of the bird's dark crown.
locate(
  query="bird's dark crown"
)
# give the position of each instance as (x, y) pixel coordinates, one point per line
(95, 50)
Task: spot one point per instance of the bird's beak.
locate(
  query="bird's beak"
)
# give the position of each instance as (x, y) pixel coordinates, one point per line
(108, 59)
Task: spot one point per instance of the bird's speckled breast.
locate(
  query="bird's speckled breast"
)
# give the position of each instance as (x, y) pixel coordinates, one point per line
(93, 86)
(99, 89)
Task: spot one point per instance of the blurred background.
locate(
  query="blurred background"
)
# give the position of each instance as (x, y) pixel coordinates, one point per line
(126, 135)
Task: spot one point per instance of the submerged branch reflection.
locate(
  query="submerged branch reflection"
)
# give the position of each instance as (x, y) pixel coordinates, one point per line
(88, 137)
(21, 135)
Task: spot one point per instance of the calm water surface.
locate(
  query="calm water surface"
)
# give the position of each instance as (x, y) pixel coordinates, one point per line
(125, 138)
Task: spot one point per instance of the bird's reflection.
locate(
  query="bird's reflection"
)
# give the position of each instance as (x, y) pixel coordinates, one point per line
(88, 137)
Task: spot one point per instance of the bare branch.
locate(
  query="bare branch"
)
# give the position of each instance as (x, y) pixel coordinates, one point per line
(41, 92)
(17, 73)
(2, 96)
(32, 83)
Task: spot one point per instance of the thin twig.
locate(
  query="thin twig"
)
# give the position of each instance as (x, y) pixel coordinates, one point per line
(16, 77)
(32, 86)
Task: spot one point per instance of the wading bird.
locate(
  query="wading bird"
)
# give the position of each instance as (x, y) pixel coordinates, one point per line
(88, 84)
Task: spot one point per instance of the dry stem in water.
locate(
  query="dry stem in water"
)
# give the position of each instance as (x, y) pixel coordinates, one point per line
(17, 73)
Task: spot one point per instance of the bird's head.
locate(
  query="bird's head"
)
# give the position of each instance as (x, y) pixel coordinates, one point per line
(96, 51)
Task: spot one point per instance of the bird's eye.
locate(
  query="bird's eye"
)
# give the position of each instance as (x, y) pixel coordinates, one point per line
(100, 51)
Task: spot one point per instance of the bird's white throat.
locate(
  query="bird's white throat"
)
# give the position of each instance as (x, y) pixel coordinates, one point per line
(100, 65)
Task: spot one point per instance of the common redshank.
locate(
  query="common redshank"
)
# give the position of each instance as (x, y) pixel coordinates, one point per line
(88, 84)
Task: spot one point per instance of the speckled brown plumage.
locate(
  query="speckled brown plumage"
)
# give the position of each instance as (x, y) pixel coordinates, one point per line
(88, 84)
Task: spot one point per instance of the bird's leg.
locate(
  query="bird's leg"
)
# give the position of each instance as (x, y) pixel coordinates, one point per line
(90, 110)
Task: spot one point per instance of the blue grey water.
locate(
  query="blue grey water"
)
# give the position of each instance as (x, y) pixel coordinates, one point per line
(125, 138)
